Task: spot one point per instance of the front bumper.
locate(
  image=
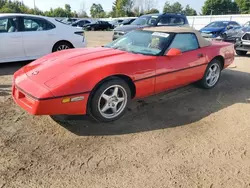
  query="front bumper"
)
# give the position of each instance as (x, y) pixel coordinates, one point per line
(49, 106)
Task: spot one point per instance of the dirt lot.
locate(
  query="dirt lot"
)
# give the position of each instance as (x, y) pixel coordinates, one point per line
(187, 138)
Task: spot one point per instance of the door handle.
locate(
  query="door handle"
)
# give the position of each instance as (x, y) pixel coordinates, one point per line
(200, 55)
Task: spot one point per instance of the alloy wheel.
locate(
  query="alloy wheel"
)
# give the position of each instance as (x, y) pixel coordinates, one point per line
(112, 101)
(62, 47)
(213, 75)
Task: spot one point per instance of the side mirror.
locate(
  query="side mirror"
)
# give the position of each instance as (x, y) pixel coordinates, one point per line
(229, 27)
(173, 52)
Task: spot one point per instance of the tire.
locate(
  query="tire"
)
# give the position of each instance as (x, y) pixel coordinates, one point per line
(104, 104)
(61, 46)
(92, 29)
(211, 73)
(241, 53)
(223, 35)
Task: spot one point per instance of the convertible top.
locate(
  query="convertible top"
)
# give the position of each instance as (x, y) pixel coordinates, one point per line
(202, 41)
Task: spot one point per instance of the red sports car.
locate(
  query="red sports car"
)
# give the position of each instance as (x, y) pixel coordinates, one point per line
(101, 81)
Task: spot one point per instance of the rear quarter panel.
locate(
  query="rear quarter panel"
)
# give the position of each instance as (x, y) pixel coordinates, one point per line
(223, 49)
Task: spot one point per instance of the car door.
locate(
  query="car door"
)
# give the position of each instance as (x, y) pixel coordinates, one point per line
(11, 43)
(38, 36)
(173, 72)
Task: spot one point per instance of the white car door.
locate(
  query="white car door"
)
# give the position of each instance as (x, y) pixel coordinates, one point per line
(11, 43)
(38, 37)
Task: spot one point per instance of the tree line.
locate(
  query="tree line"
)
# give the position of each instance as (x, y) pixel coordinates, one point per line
(132, 8)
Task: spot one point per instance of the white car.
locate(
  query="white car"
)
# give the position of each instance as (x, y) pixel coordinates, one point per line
(28, 37)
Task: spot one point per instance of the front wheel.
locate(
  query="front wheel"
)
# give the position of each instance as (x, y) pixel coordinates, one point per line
(109, 102)
(241, 53)
(212, 75)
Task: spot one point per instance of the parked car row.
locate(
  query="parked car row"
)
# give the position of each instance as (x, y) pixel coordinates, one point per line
(28, 37)
(230, 31)
(100, 25)
(151, 20)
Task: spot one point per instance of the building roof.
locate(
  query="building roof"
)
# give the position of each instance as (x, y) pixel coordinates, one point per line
(175, 29)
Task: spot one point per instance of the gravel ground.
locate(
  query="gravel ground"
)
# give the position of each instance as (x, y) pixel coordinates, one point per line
(186, 138)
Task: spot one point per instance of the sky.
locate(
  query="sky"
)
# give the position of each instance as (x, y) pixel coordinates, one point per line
(107, 4)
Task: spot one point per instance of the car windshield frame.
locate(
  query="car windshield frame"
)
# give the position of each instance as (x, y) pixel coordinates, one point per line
(220, 24)
(143, 50)
(146, 19)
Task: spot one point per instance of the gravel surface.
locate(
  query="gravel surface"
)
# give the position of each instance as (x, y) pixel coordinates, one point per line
(186, 138)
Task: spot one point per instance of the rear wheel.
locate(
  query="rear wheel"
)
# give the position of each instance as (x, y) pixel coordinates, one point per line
(212, 75)
(61, 46)
(109, 102)
(241, 53)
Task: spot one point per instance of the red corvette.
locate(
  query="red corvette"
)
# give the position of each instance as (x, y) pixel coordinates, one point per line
(102, 81)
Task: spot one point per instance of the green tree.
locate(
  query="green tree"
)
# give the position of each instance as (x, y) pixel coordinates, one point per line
(6, 9)
(8, 6)
(67, 8)
(12, 6)
(244, 6)
(218, 7)
(60, 12)
(177, 8)
(96, 11)
(122, 8)
(188, 11)
(152, 11)
(167, 7)
(172, 8)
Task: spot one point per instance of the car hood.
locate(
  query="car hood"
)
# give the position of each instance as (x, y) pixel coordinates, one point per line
(212, 29)
(53, 65)
(127, 28)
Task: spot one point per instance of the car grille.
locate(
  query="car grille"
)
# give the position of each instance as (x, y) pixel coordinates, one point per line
(246, 36)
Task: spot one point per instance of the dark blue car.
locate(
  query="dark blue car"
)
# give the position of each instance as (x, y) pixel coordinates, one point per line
(218, 28)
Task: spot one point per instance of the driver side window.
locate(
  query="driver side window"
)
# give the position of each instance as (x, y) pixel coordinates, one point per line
(185, 42)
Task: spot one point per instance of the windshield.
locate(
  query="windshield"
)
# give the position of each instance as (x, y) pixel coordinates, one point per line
(218, 24)
(142, 42)
(145, 20)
